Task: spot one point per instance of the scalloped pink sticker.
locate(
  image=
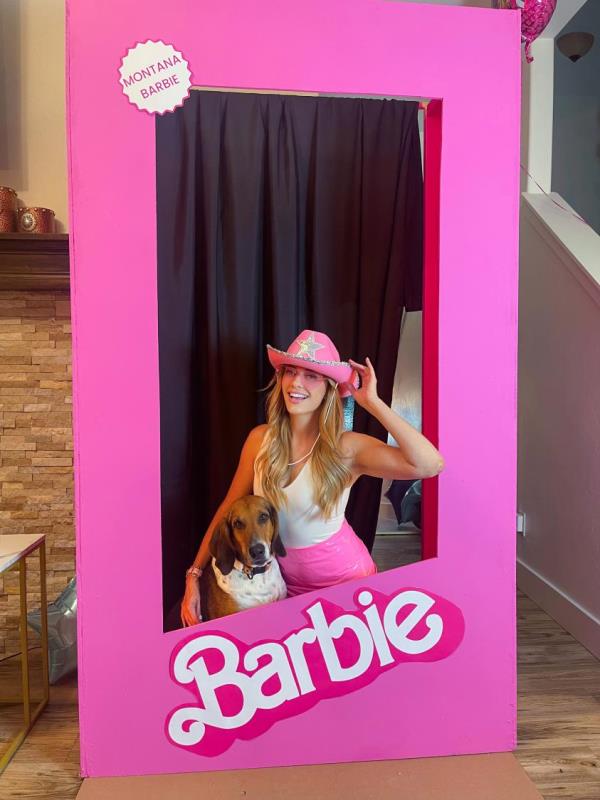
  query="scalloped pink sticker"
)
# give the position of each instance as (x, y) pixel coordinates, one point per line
(155, 77)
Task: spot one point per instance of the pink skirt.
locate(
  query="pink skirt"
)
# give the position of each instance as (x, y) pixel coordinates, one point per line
(340, 558)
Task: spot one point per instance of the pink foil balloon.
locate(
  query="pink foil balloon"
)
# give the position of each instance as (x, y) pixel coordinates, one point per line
(535, 15)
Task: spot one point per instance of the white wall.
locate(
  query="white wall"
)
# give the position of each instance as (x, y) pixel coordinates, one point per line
(559, 417)
(33, 158)
(565, 11)
(407, 392)
(559, 380)
(537, 99)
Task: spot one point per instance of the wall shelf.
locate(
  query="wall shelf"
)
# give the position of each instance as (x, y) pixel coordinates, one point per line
(34, 261)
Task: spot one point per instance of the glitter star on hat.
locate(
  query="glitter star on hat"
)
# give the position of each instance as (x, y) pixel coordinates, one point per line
(309, 346)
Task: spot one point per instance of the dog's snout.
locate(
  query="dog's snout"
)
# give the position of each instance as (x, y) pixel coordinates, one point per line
(257, 550)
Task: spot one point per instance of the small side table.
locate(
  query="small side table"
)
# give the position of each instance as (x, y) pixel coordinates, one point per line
(13, 550)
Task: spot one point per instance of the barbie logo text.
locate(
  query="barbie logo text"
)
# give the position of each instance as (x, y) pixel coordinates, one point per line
(241, 690)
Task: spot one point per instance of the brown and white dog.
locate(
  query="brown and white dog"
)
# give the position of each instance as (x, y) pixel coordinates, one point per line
(244, 571)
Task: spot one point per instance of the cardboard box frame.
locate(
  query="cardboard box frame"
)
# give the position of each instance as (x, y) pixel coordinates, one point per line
(470, 59)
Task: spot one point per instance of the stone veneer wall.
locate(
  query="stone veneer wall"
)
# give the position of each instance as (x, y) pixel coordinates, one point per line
(36, 446)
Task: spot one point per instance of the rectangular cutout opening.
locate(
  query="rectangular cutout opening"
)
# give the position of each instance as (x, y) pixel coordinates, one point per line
(185, 218)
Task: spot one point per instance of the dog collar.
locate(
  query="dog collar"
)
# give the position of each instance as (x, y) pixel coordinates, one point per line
(250, 572)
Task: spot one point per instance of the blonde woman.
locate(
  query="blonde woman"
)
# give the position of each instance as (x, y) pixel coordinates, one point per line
(304, 463)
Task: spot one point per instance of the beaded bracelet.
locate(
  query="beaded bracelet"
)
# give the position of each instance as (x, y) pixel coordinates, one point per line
(195, 571)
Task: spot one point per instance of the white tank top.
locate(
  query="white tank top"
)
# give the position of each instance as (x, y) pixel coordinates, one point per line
(301, 522)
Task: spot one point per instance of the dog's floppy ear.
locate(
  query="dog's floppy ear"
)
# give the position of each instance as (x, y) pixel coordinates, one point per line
(221, 547)
(276, 544)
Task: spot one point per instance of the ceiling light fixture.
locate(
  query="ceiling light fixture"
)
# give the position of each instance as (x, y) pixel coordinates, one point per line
(575, 45)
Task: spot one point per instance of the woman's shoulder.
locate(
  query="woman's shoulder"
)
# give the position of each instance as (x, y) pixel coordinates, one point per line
(256, 437)
(349, 442)
(352, 443)
(347, 445)
(258, 432)
(253, 444)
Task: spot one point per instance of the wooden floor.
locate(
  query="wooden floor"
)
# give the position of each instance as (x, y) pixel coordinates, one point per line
(390, 551)
(559, 707)
(559, 717)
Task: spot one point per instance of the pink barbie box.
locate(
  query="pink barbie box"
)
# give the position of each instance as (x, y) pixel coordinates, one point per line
(416, 661)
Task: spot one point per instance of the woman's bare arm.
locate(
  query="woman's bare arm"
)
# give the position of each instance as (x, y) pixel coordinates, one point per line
(415, 456)
(240, 485)
(369, 456)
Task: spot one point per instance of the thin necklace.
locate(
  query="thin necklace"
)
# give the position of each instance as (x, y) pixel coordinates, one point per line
(293, 463)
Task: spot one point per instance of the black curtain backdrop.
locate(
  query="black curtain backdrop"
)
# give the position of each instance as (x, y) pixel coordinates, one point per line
(275, 213)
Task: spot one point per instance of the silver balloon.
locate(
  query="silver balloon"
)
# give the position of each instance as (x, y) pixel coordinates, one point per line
(62, 632)
(410, 507)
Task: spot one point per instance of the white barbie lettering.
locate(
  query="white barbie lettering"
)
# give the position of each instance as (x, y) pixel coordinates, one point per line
(326, 634)
(398, 634)
(354, 636)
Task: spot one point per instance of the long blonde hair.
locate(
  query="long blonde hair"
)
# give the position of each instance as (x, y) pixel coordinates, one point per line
(330, 475)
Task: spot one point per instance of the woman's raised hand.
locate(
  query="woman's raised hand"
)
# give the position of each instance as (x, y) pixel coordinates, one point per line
(367, 395)
(190, 605)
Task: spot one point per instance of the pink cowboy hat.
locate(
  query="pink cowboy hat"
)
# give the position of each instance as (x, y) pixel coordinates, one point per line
(315, 351)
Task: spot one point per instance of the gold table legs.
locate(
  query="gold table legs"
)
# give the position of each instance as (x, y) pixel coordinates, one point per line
(29, 715)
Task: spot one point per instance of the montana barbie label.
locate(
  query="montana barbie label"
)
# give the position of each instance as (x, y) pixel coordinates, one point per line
(155, 77)
(240, 690)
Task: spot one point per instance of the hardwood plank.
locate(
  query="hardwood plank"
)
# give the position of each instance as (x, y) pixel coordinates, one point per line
(396, 550)
(47, 764)
(558, 708)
